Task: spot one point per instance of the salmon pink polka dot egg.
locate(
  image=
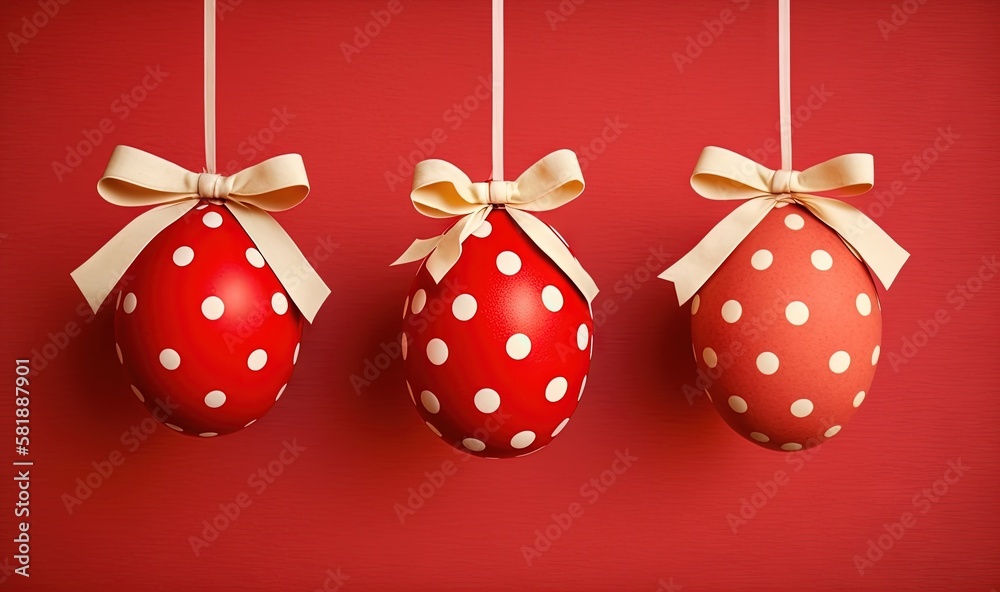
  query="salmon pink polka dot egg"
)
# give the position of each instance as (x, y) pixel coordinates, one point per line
(787, 332)
(497, 353)
(205, 331)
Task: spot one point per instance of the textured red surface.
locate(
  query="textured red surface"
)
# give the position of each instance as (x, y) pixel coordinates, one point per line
(360, 487)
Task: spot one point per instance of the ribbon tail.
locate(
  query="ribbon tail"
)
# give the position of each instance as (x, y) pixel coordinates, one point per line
(99, 274)
(420, 248)
(449, 247)
(692, 270)
(876, 248)
(549, 243)
(306, 289)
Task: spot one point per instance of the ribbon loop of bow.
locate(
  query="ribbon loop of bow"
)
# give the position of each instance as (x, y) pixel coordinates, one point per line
(442, 190)
(725, 175)
(137, 178)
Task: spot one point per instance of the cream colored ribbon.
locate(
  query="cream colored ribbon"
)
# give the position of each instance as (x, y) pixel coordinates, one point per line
(137, 178)
(725, 175)
(442, 190)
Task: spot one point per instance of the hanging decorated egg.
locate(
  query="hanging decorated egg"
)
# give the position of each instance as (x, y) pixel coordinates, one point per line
(205, 331)
(787, 331)
(497, 352)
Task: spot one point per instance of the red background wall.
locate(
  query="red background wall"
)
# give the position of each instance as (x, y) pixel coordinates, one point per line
(664, 521)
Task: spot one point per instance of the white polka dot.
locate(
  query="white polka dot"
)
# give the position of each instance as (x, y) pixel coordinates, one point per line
(582, 336)
(403, 343)
(474, 444)
(215, 399)
(794, 221)
(410, 390)
(711, 359)
(213, 307)
(250, 423)
(201, 206)
(582, 386)
(695, 304)
(556, 389)
(170, 359)
(437, 351)
(406, 305)
(552, 298)
(821, 260)
(761, 260)
(419, 300)
(738, 404)
(279, 303)
(797, 313)
(875, 354)
(484, 230)
(859, 398)
(430, 402)
(518, 346)
(791, 446)
(118, 350)
(137, 393)
(128, 305)
(212, 219)
(487, 400)
(118, 301)
(433, 429)
(508, 263)
(173, 427)
(183, 256)
(464, 307)
(208, 434)
(255, 258)
(767, 363)
(864, 304)
(295, 354)
(802, 408)
(732, 311)
(281, 391)
(839, 362)
(833, 431)
(560, 427)
(522, 439)
(759, 437)
(257, 359)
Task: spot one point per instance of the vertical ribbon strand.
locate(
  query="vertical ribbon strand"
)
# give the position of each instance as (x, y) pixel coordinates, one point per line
(497, 174)
(209, 86)
(784, 82)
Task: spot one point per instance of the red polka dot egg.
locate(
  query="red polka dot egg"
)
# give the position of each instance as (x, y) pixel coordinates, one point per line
(786, 333)
(497, 353)
(205, 331)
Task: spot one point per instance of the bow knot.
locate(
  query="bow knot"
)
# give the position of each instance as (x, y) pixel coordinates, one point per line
(725, 175)
(137, 178)
(781, 182)
(442, 190)
(214, 186)
(500, 192)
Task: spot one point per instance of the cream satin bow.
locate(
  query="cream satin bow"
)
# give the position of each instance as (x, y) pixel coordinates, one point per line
(725, 175)
(137, 178)
(442, 190)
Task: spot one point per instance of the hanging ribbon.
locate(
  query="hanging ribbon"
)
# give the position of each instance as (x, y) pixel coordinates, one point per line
(442, 190)
(136, 178)
(721, 174)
